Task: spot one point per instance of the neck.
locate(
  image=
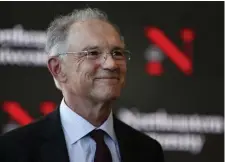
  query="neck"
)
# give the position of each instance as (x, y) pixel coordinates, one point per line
(94, 112)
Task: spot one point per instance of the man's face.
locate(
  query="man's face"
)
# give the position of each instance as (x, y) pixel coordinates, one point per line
(99, 80)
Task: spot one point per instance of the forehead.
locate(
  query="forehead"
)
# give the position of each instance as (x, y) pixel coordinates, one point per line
(93, 33)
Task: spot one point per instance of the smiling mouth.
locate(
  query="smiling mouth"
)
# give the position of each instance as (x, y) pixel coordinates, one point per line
(108, 80)
(113, 78)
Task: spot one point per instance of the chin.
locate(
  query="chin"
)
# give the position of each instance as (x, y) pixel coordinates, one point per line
(106, 96)
(106, 93)
(113, 97)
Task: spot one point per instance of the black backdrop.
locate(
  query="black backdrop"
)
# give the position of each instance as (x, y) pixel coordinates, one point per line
(172, 96)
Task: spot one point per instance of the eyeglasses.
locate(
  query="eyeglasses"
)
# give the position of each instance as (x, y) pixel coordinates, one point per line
(119, 55)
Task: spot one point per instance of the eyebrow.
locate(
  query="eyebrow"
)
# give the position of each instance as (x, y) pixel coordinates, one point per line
(97, 47)
(117, 48)
(90, 48)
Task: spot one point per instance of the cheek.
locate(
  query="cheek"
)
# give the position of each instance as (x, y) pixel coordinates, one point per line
(123, 70)
(84, 72)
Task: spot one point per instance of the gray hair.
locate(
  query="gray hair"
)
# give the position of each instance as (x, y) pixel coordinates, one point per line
(58, 30)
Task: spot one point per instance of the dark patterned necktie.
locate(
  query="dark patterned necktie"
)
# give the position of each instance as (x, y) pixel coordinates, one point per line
(102, 153)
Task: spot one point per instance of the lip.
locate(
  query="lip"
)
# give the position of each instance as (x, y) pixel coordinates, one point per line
(108, 78)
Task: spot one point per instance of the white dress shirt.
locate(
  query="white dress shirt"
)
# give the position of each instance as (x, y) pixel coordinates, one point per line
(81, 148)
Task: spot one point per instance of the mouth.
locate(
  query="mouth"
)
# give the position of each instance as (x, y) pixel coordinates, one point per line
(108, 80)
(113, 78)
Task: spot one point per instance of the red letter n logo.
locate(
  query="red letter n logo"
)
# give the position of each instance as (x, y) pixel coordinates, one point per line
(182, 59)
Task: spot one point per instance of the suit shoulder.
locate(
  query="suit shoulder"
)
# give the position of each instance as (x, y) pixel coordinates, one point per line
(145, 146)
(137, 135)
(23, 133)
(22, 143)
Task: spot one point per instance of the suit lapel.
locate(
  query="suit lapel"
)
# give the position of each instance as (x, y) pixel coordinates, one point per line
(125, 145)
(54, 146)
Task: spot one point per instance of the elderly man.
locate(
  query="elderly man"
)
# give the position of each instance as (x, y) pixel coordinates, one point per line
(87, 59)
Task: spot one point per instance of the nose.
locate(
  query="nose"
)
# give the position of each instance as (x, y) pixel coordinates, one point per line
(108, 62)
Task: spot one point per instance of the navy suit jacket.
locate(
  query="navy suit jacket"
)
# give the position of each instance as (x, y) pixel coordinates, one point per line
(44, 141)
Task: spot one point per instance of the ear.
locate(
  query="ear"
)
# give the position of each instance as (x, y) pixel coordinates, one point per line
(55, 67)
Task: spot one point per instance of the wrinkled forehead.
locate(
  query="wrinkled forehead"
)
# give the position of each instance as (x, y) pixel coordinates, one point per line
(93, 33)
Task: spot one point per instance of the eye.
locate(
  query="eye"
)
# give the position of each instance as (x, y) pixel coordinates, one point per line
(118, 54)
(93, 54)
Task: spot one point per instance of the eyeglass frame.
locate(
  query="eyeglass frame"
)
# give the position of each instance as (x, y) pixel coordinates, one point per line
(87, 53)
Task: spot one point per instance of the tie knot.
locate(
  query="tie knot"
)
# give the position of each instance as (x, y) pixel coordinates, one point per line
(97, 135)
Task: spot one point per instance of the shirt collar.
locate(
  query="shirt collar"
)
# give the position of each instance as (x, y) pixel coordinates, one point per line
(77, 127)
